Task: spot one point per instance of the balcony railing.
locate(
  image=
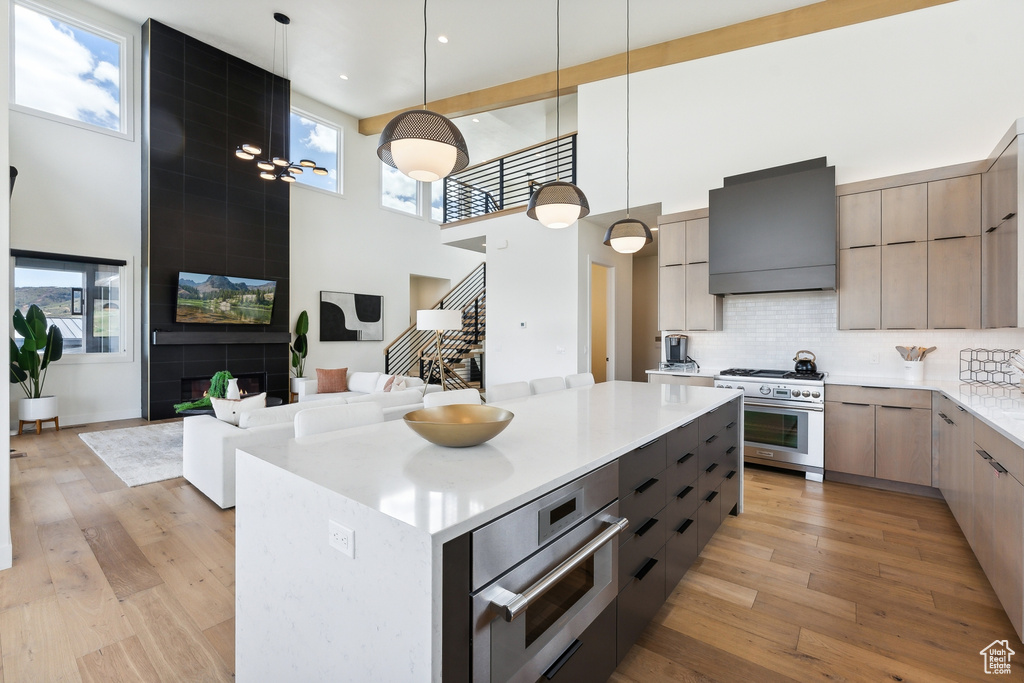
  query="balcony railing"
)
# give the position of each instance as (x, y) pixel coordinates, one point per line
(509, 181)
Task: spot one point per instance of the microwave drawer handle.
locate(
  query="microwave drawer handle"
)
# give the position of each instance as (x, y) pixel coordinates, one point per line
(519, 603)
(805, 407)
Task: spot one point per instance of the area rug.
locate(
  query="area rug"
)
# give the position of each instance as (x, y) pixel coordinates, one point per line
(140, 455)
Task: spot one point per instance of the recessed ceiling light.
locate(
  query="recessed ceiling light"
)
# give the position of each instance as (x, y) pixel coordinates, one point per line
(442, 39)
(654, 229)
(343, 77)
(476, 120)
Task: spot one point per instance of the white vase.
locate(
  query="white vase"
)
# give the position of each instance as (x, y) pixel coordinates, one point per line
(232, 390)
(294, 384)
(42, 408)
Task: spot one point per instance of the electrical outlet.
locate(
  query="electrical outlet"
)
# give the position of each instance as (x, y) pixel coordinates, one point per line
(874, 358)
(342, 538)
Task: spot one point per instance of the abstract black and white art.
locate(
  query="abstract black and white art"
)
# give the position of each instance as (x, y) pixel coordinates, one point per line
(351, 317)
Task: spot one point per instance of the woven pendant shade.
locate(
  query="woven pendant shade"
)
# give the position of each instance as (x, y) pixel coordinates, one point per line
(558, 204)
(423, 145)
(628, 236)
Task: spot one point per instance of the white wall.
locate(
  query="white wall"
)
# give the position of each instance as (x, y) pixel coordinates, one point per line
(6, 549)
(350, 244)
(79, 192)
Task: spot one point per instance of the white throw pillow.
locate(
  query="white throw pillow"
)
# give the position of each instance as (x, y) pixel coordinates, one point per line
(363, 382)
(400, 384)
(230, 410)
(382, 383)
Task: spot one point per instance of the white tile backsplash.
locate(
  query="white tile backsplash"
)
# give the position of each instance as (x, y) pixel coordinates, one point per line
(766, 331)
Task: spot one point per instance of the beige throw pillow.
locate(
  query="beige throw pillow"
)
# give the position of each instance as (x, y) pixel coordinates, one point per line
(230, 410)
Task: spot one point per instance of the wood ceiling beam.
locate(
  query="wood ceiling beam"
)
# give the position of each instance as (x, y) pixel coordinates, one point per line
(802, 21)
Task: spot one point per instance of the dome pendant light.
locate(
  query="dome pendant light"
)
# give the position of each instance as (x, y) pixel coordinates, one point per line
(557, 204)
(422, 144)
(629, 235)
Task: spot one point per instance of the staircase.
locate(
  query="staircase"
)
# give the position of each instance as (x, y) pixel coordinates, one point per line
(462, 349)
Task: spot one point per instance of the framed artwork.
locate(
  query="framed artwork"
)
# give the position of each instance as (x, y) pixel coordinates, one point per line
(351, 317)
(76, 301)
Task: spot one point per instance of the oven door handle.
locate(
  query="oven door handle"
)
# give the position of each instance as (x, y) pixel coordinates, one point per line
(520, 602)
(807, 408)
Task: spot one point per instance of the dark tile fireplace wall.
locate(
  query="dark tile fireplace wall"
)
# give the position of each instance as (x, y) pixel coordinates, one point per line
(206, 211)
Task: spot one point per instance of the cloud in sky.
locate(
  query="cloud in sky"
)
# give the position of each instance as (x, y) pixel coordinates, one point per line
(398, 190)
(320, 138)
(58, 74)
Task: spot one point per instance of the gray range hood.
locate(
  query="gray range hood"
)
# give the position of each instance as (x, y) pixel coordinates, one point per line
(774, 230)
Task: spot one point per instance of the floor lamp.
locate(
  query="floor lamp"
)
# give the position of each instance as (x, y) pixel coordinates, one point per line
(439, 320)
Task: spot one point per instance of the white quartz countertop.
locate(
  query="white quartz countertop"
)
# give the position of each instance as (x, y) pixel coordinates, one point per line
(1000, 407)
(553, 439)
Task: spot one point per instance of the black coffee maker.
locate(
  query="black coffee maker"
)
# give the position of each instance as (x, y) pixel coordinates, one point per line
(675, 348)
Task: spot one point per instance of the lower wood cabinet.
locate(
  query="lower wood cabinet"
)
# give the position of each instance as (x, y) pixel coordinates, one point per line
(903, 448)
(685, 380)
(850, 438)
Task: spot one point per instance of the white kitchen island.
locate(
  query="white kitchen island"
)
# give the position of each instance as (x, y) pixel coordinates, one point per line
(306, 611)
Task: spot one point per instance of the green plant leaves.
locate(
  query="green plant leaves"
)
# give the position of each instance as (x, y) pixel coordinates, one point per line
(302, 324)
(26, 363)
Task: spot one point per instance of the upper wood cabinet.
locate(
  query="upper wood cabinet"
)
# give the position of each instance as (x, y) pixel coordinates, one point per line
(905, 214)
(672, 244)
(697, 241)
(904, 286)
(999, 258)
(683, 299)
(672, 298)
(860, 220)
(954, 283)
(703, 311)
(954, 207)
(860, 294)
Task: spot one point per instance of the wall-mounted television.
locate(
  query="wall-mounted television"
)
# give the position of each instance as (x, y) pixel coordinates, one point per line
(224, 300)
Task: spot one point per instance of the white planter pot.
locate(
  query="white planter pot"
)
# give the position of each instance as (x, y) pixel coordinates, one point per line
(293, 384)
(32, 409)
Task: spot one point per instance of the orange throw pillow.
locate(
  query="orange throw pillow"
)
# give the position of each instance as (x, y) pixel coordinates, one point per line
(332, 380)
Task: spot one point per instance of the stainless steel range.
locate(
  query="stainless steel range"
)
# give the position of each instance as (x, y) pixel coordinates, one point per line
(784, 417)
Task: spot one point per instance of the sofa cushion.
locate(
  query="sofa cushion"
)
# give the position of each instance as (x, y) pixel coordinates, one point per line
(388, 381)
(363, 382)
(331, 380)
(230, 410)
(389, 399)
(262, 417)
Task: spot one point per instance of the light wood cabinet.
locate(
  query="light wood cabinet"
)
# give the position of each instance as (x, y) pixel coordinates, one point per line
(672, 244)
(684, 380)
(900, 452)
(860, 293)
(952, 460)
(954, 283)
(703, 311)
(850, 438)
(697, 236)
(860, 220)
(904, 288)
(999, 258)
(954, 207)
(672, 297)
(905, 214)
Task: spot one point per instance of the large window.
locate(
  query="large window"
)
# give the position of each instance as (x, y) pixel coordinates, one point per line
(437, 201)
(68, 70)
(398, 191)
(319, 141)
(81, 297)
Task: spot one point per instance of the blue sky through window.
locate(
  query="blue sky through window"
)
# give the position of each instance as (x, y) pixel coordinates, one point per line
(318, 142)
(398, 191)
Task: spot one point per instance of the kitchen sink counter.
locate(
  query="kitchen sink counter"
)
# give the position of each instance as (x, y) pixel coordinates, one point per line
(1002, 408)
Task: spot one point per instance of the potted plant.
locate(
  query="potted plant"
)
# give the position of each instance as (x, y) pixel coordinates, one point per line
(41, 346)
(218, 389)
(299, 349)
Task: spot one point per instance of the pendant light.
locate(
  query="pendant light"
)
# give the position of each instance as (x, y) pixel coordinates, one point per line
(629, 235)
(422, 144)
(277, 168)
(557, 204)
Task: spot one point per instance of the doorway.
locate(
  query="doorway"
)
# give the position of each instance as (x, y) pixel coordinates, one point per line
(424, 292)
(602, 341)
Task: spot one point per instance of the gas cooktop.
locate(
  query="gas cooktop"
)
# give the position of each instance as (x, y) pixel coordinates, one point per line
(772, 374)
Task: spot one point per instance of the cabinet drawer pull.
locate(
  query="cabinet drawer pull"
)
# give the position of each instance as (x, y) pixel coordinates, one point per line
(897, 407)
(943, 416)
(648, 566)
(562, 659)
(649, 443)
(685, 525)
(711, 496)
(685, 492)
(731, 474)
(711, 438)
(997, 467)
(731, 425)
(648, 525)
(683, 459)
(731, 449)
(983, 454)
(848, 403)
(711, 468)
(646, 485)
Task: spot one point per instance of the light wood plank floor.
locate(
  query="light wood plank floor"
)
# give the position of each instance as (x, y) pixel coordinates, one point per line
(814, 581)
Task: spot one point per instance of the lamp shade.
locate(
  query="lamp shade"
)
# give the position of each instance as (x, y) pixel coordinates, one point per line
(439, 319)
(558, 204)
(423, 145)
(628, 236)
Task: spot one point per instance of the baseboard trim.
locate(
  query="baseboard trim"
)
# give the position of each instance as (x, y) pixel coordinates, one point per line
(884, 484)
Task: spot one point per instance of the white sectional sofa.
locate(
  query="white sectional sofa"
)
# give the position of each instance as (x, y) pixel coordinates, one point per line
(359, 383)
(210, 444)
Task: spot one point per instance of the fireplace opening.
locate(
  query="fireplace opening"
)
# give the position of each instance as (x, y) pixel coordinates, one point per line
(194, 388)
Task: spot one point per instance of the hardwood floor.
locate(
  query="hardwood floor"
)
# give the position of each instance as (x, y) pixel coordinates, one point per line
(814, 581)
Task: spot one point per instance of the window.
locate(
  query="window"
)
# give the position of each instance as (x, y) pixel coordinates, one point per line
(398, 191)
(316, 140)
(437, 201)
(67, 70)
(82, 297)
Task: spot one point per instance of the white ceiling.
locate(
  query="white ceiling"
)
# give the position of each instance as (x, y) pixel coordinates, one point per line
(379, 44)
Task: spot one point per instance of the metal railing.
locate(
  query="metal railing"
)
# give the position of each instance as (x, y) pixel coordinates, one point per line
(508, 181)
(404, 353)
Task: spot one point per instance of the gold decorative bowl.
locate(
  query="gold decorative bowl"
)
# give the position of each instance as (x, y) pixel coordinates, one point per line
(459, 425)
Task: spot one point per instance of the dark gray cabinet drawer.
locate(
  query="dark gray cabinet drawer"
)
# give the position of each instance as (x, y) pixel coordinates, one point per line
(642, 542)
(717, 419)
(591, 657)
(709, 517)
(639, 601)
(680, 552)
(642, 503)
(641, 464)
(682, 505)
(711, 479)
(682, 471)
(717, 448)
(682, 440)
(730, 490)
